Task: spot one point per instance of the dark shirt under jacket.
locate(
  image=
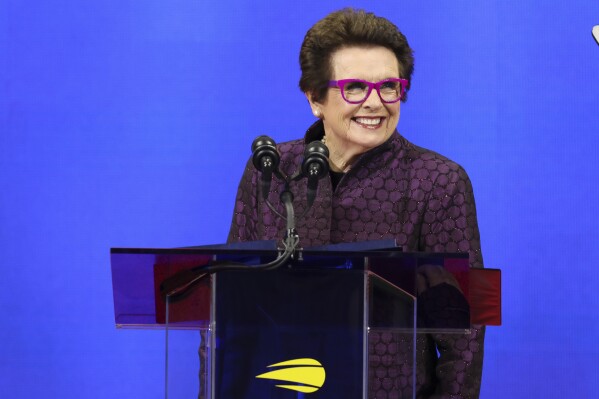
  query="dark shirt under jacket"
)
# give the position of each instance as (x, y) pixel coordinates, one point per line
(395, 191)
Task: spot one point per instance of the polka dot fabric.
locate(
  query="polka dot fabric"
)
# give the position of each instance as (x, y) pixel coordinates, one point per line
(395, 191)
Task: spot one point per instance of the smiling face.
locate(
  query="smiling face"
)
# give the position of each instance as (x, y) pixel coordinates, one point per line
(352, 129)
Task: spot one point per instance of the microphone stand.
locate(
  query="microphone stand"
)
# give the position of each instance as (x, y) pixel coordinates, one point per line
(265, 158)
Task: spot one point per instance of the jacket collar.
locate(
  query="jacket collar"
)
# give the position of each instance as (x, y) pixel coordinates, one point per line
(314, 132)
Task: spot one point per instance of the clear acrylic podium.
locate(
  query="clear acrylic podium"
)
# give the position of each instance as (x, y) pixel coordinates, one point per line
(302, 331)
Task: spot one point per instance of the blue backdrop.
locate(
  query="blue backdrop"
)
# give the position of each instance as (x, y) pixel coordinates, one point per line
(127, 124)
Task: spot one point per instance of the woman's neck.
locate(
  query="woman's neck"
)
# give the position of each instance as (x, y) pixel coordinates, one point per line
(342, 158)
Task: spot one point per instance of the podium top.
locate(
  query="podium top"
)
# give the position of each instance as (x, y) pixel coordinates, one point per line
(137, 274)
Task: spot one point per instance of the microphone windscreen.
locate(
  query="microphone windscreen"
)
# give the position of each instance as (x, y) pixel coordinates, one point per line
(316, 159)
(265, 149)
(262, 141)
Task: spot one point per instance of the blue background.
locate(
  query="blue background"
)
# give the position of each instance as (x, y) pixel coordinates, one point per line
(127, 124)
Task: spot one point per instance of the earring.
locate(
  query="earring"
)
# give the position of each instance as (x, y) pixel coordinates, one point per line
(316, 113)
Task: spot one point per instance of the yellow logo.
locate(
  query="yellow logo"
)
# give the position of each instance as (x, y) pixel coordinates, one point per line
(308, 373)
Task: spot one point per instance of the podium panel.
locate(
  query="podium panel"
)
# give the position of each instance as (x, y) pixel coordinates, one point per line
(282, 332)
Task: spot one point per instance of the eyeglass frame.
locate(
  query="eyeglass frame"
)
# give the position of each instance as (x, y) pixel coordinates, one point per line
(340, 83)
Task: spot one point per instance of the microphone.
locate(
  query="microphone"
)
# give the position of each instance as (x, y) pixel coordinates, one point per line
(596, 33)
(315, 166)
(265, 158)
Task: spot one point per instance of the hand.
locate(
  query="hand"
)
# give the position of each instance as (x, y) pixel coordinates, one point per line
(428, 276)
(441, 302)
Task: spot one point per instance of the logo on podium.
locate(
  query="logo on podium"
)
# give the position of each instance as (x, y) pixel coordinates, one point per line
(305, 375)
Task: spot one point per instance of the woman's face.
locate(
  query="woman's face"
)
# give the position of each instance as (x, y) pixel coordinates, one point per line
(352, 129)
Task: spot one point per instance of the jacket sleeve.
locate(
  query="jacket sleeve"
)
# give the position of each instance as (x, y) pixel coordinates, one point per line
(245, 224)
(450, 225)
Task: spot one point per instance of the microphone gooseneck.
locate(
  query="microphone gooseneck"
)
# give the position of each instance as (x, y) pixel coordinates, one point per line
(265, 158)
(315, 166)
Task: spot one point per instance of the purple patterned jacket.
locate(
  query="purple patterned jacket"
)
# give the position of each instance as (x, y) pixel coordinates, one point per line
(395, 191)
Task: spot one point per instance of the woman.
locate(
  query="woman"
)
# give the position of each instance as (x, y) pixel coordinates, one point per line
(356, 70)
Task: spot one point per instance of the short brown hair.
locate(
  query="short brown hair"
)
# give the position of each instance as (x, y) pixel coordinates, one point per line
(343, 28)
